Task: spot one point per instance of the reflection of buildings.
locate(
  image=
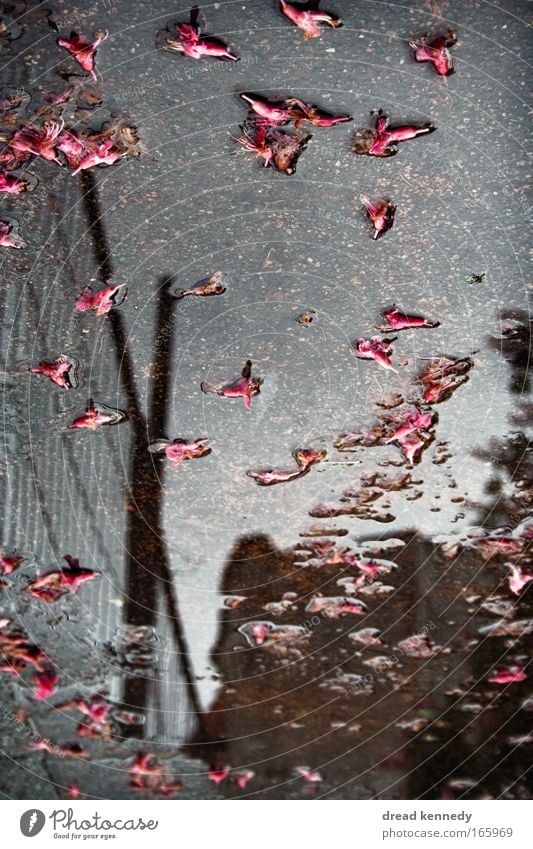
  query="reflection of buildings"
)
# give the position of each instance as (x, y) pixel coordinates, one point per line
(276, 711)
(460, 734)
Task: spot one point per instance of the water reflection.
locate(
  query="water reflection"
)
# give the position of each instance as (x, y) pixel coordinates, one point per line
(401, 719)
(345, 664)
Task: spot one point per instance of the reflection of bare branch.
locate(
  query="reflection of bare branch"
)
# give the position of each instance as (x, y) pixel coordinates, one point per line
(147, 563)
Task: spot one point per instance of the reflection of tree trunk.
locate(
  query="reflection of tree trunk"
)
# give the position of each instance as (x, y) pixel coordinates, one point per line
(95, 221)
(147, 565)
(145, 544)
